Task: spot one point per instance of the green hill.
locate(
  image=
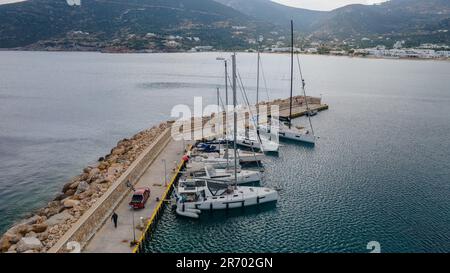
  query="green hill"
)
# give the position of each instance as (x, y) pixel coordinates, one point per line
(110, 21)
(165, 25)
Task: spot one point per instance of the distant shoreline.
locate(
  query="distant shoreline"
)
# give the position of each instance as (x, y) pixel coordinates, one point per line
(265, 52)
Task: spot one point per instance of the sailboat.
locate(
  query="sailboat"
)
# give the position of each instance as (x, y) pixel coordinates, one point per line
(288, 131)
(226, 155)
(198, 195)
(257, 142)
(225, 175)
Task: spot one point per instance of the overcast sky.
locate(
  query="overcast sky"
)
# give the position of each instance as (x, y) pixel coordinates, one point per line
(324, 4)
(308, 4)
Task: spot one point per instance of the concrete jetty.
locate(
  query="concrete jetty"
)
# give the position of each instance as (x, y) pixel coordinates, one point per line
(117, 240)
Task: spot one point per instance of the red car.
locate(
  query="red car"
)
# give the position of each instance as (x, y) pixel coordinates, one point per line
(139, 198)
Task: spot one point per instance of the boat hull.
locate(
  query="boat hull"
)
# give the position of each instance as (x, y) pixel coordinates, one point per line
(230, 203)
(298, 137)
(241, 179)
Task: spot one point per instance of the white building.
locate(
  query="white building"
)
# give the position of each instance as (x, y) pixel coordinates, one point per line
(398, 44)
(311, 50)
(172, 44)
(202, 48)
(285, 49)
(150, 35)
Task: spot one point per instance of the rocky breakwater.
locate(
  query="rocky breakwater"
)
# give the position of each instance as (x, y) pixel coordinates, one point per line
(43, 229)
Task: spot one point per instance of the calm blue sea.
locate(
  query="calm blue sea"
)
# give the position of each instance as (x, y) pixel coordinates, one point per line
(380, 171)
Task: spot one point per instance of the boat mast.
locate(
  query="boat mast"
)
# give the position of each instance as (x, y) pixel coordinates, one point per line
(257, 88)
(235, 118)
(292, 72)
(308, 110)
(226, 83)
(226, 109)
(218, 113)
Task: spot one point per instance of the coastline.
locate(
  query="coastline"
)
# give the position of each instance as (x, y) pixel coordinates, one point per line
(227, 51)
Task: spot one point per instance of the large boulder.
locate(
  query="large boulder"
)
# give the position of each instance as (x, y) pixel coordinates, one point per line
(118, 151)
(74, 185)
(107, 179)
(103, 165)
(58, 218)
(84, 176)
(82, 187)
(5, 244)
(112, 159)
(29, 243)
(42, 236)
(12, 249)
(31, 234)
(115, 169)
(30, 221)
(38, 228)
(60, 196)
(66, 186)
(70, 192)
(87, 169)
(85, 194)
(12, 237)
(93, 174)
(21, 229)
(52, 208)
(70, 203)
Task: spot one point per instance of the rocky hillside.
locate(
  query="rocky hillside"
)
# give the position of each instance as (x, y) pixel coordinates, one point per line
(224, 24)
(266, 10)
(393, 17)
(421, 20)
(117, 22)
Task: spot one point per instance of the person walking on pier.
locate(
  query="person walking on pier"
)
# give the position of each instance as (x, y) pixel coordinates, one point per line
(114, 219)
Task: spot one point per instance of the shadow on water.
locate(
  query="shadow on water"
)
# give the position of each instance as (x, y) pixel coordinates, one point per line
(218, 216)
(299, 143)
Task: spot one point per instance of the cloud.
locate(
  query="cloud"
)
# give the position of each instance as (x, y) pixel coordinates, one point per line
(325, 4)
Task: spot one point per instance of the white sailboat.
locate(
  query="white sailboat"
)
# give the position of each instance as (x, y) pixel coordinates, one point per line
(243, 156)
(225, 157)
(260, 142)
(215, 162)
(288, 131)
(200, 195)
(265, 145)
(225, 175)
(293, 133)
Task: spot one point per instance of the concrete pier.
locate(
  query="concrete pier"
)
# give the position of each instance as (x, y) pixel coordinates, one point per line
(299, 111)
(117, 240)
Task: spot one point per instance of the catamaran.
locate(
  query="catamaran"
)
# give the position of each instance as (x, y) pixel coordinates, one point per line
(199, 195)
